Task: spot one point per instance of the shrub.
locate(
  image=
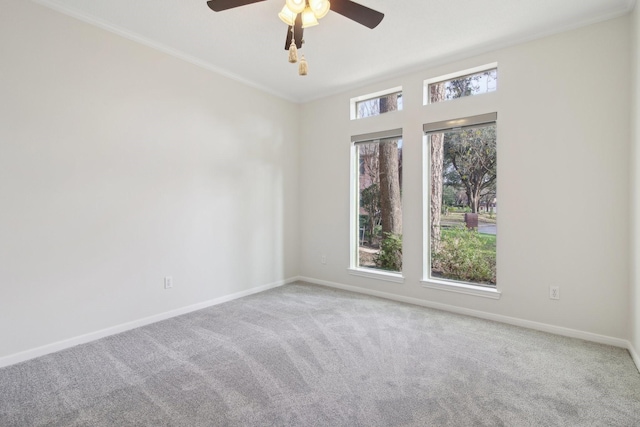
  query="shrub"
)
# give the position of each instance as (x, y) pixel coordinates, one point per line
(390, 255)
(463, 256)
(459, 209)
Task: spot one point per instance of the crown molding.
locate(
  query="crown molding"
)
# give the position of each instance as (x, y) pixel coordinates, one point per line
(135, 37)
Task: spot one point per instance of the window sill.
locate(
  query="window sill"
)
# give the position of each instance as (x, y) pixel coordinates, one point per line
(462, 288)
(377, 274)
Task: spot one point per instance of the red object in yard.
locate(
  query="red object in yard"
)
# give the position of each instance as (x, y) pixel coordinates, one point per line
(471, 219)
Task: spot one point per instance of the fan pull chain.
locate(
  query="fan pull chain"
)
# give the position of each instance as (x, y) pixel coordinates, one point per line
(293, 50)
(303, 68)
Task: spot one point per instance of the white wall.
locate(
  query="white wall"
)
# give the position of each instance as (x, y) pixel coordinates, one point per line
(120, 165)
(563, 150)
(634, 318)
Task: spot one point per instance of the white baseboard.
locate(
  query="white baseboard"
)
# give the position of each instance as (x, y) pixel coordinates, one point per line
(83, 339)
(72, 342)
(557, 330)
(634, 355)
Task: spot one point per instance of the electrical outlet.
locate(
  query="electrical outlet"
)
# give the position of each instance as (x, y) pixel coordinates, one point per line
(324, 259)
(554, 292)
(168, 282)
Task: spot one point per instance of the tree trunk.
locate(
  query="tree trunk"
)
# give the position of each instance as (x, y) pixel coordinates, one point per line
(390, 200)
(437, 164)
(436, 94)
(475, 202)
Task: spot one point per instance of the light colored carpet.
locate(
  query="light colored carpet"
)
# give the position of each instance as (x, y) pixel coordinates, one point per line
(304, 355)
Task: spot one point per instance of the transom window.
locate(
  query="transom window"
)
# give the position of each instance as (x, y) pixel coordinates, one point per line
(466, 83)
(377, 103)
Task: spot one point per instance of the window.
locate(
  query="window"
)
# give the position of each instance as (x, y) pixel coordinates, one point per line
(376, 202)
(467, 83)
(377, 103)
(461, 201)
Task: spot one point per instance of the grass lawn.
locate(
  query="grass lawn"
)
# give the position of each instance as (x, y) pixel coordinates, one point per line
(454, 218)
(488, 240)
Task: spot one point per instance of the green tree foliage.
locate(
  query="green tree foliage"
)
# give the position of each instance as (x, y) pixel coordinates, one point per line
(449, 195)
(470, 159)
(370, 202)
(461, 87)
(390, 255)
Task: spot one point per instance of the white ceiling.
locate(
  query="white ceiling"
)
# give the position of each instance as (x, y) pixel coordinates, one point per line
(247, 43)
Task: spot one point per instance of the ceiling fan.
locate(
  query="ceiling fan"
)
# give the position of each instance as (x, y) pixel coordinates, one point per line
(295, 17)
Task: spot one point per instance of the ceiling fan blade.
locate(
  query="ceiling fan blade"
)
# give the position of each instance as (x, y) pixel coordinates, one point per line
(357, 12)
(220, 5)
(298, 32)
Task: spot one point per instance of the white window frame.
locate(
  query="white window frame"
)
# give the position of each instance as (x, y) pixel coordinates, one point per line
(427, 281)
(354, 209)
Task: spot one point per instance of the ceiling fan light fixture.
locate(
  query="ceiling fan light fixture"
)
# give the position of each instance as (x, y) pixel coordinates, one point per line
(296, 6)
(308, 18)
(320, 7)
(287, 16)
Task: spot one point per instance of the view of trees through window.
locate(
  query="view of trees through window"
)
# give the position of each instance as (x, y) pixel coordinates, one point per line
(379, 188)
(463, 205)
(379, 105)
(461, 188)
(473, 84)
(380, 213)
